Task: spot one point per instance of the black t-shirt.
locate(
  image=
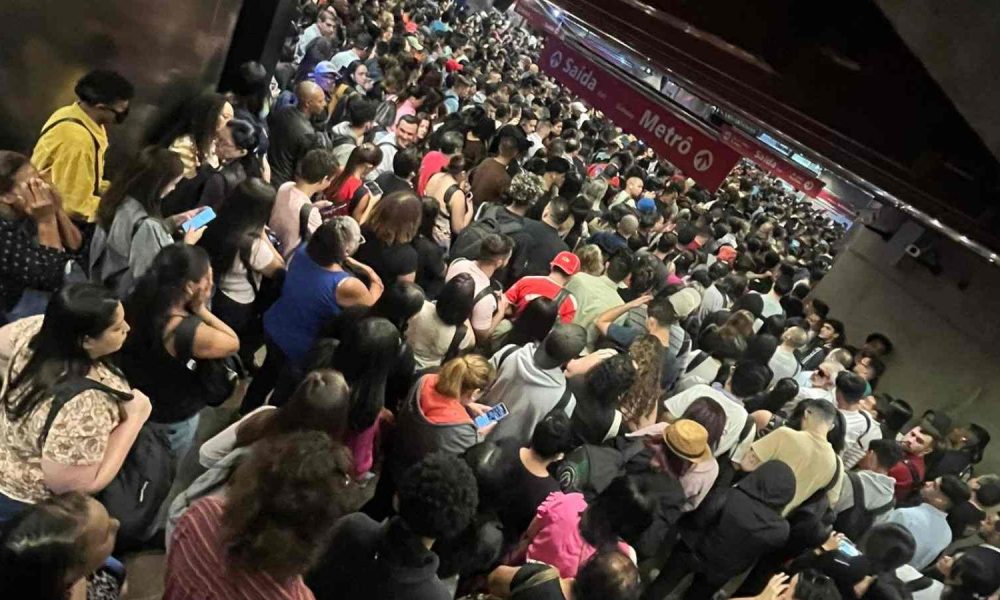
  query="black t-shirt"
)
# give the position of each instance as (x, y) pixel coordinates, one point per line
(536, 581)
(292, 134)
(546, 243)
(591, 420)
(523, 491)
(963, 516)
(430, 266)
(388, 261)
(390, 183)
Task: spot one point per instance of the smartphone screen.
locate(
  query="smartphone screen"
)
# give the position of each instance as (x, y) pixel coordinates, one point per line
(848, 549)
(493, 415)
(374, 188)
(198, 221)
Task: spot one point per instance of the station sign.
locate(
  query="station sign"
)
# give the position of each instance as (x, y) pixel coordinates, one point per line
(773, 163)
(688, 146)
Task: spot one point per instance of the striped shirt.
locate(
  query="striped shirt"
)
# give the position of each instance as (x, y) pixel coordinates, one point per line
(197, 568)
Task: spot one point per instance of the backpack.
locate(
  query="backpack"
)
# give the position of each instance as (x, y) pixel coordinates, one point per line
(855, 521)
(135, 494)
(467, 244)
(304, 213)
(811, 522)
(218, 376)
(98, 254)
(385, 114)
(590, 469)
(342, 140)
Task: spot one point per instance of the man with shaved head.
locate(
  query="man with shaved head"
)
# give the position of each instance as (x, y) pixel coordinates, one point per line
(291, 131)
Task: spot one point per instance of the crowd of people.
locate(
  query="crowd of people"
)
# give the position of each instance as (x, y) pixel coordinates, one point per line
(478, 341)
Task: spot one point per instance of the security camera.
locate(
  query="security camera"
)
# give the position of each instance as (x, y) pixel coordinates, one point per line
(914, 250)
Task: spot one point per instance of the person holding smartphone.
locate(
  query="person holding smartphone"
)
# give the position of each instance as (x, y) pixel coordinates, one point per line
(440, 412)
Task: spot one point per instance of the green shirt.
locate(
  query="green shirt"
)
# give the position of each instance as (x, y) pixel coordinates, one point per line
(594, 295)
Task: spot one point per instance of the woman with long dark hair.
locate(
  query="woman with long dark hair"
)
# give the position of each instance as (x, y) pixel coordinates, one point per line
(367, 355)
(241, 255)
(86, 444)
(131, 226)
(639, 403)
(250, 96)
(53, 550)
(193, 137)
(347, 191)
(172, 325)
(355, 82)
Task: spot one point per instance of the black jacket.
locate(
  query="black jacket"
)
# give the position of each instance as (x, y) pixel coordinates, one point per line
(731, 530)
(292, 135)
(366, 560)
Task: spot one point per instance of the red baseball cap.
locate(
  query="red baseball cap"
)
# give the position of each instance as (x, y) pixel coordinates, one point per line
(567, 262)
(727, 254)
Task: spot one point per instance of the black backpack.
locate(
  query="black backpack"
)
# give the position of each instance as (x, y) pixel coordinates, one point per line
(135, 494)
(467, 244)
(589, 469)
(812, 520)
(385, 115)
(855, 521)
(218, 376)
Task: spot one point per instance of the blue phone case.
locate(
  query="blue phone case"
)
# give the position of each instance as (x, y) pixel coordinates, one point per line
(199, 220)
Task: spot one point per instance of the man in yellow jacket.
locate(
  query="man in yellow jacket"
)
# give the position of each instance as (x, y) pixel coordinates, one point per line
(73, 141)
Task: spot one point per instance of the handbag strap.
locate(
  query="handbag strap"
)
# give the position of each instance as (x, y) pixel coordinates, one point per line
(184, 337)
(71, 387)
(93, 138)
(543, 576)
(456, 342)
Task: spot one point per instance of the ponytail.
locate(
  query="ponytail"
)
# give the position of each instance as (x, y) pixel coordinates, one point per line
(463, 374)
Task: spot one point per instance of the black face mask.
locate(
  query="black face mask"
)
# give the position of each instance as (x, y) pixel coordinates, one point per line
(120, 116)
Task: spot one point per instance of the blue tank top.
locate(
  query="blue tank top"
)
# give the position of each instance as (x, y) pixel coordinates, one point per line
(308, 301)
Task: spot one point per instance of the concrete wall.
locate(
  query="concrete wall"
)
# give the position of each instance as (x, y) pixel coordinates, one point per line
(945, 327)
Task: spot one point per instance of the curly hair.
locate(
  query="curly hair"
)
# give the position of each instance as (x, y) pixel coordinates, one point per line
(641, 398)
(283, 500)
(438, 496)
(610, 379)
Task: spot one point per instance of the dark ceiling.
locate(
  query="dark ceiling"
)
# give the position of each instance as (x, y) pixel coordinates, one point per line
(836, 78)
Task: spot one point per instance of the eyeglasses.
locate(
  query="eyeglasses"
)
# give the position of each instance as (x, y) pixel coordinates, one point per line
(361, 239)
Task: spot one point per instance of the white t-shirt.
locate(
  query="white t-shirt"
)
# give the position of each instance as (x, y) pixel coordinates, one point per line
(783, 364)
(235, 283)
(482, 312)
(861, 430)
(736, 417)
(429, 337)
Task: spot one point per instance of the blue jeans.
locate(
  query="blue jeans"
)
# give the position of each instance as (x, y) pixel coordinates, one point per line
(180, 436)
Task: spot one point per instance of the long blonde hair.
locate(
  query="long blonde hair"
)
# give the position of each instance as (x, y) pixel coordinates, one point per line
(464, 374)
(641, 398)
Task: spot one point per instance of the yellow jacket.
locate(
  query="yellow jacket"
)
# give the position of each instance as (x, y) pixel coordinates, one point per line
(75, 155)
